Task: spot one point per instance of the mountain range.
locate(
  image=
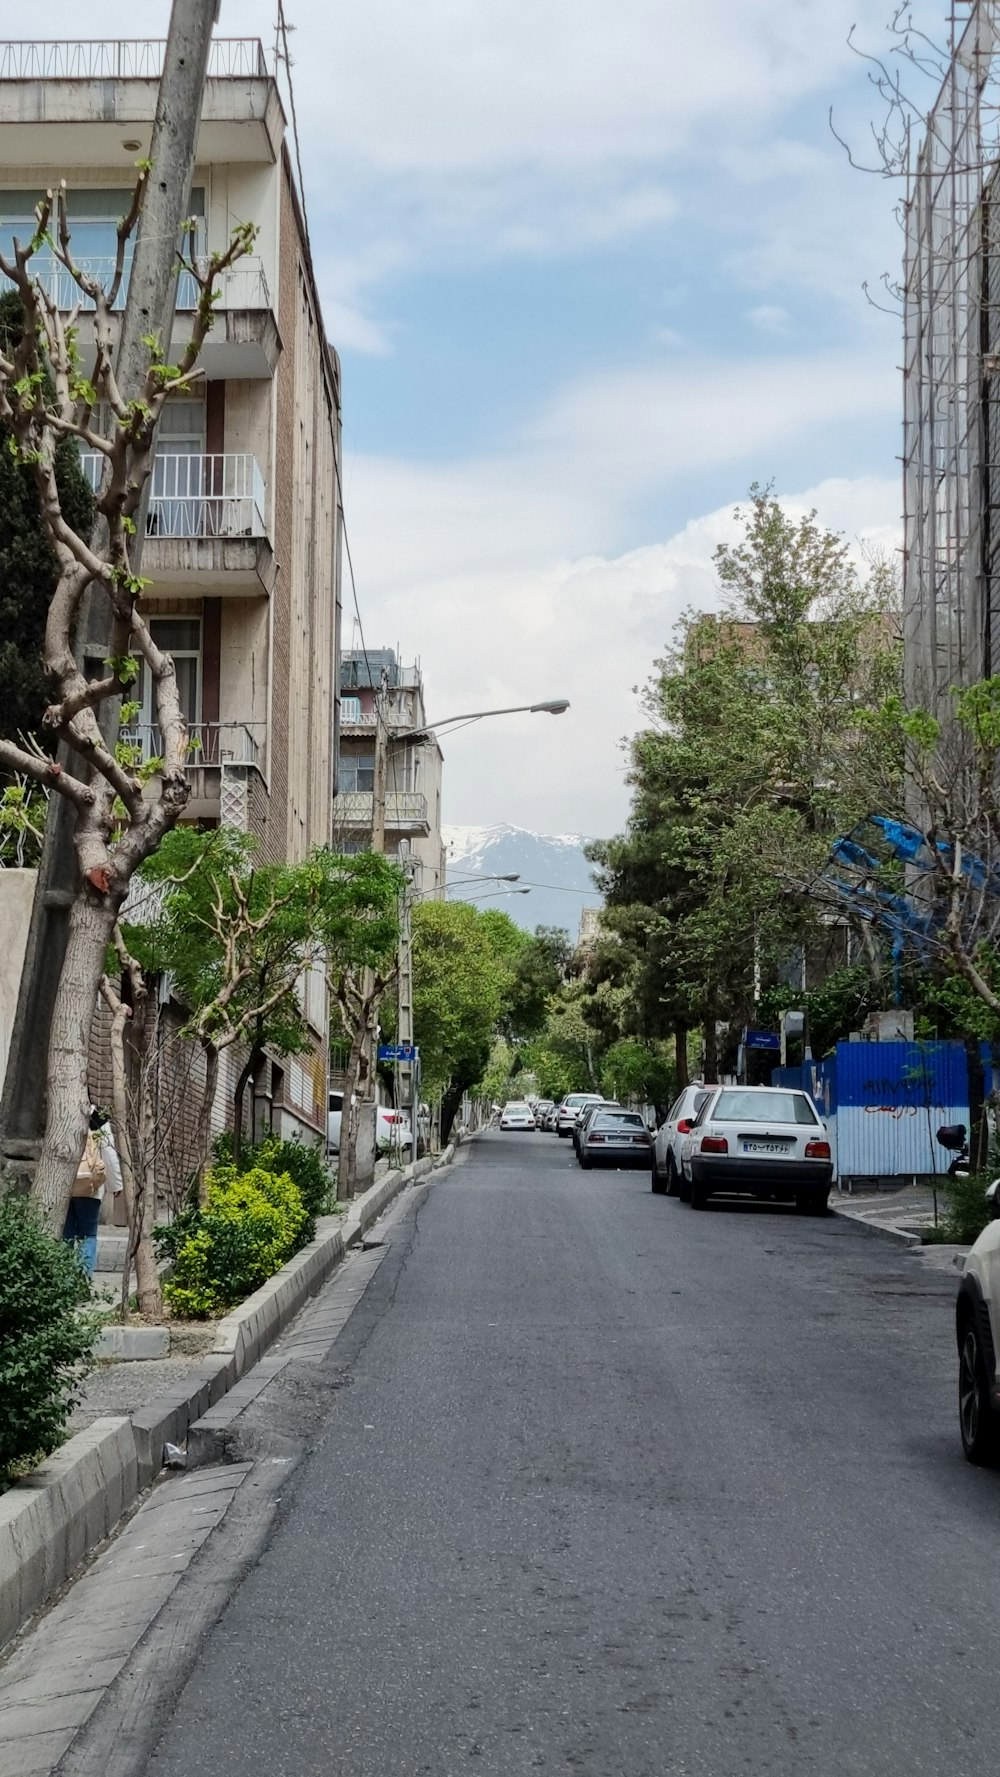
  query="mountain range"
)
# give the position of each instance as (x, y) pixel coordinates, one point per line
(551, 865)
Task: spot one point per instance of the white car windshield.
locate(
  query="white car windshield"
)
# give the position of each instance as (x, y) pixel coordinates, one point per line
(762, 1107)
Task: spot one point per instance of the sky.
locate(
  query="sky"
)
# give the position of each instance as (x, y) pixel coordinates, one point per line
(591, 271)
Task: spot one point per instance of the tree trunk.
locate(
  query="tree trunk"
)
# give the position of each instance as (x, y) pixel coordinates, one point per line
(133, 1140)
(711, 1040)
(147, 1277)
(204, 1137)
(451, 1099)
(681, 1056)
(979, 1131)
(346, 1159)
(248, 1073)
(91, 924)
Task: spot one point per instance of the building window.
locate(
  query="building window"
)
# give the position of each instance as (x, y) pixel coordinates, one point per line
(350, 709)
(357, 773)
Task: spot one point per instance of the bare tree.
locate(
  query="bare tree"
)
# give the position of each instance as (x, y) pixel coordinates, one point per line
(122, 811)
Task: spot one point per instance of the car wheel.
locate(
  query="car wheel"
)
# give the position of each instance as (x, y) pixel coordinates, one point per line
(977, 1419)
(657, 1181)
(684, 1187)
(673, 1182)
(698, 1196)
(585, 1163)
(811, 1203)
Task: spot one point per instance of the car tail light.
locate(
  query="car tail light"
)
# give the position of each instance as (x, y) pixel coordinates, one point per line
(684, 1126)
(595, 1138)
(714, 1144)
(643, 1140)
(817, 1150)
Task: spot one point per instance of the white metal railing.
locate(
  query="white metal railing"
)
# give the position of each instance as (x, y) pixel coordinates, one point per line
(243, 286)
(123, 58)
(198, 496)
(403, 808)
(212, 744)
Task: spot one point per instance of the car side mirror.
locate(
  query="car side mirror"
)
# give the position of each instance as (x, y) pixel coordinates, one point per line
(684, 1126)
(993, 1200)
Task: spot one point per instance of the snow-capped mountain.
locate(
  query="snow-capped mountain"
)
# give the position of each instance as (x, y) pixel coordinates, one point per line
(553, 866)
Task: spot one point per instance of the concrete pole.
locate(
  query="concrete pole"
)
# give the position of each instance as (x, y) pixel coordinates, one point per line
(149, 307)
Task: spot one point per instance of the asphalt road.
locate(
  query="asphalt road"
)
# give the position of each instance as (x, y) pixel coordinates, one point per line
(612, 1488)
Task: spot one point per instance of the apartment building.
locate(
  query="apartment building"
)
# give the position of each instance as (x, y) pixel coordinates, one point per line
(413, 767)
(243, 531)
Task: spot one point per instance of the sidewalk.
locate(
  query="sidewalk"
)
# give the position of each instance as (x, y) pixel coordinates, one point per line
(904, 1215)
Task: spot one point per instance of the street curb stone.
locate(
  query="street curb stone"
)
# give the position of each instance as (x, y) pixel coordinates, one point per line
(51, 1521)
(901, 1236)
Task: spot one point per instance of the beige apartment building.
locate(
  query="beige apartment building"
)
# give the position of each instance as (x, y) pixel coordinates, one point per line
(243, 530)
(413, 771)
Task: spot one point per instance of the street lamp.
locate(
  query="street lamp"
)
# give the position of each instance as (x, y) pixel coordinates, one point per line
(553, 706)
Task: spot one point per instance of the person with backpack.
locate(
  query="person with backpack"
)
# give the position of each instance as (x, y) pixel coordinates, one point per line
(98, 1163)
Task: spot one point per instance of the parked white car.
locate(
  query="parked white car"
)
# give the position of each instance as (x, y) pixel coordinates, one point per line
(566, 1112)
(762, 1141)
(517, 1115)
(392, 1128)
(977, 1325)
(667, 1172)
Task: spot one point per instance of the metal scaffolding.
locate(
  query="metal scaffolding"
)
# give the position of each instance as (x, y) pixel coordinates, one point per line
(951, 452)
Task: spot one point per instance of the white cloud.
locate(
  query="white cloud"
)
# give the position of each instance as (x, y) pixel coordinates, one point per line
(769, 318)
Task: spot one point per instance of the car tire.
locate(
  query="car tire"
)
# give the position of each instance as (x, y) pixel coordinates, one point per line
(684, 1187)
(699, 1195)
(976, 1416)
(673, 1182)
(812, 1203)
(585, 1163)
(657, 1181)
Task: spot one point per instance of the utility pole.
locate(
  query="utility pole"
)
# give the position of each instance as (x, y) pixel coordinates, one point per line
(149, 308)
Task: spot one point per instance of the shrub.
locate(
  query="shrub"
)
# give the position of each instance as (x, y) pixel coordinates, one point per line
(302, 1162)
(43, 1337)
(252, 1223)
(966, 1213)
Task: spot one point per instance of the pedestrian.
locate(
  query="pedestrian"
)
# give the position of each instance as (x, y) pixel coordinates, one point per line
(98, 1164)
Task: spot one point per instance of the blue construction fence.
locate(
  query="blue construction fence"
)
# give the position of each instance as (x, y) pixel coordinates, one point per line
(883, 1102)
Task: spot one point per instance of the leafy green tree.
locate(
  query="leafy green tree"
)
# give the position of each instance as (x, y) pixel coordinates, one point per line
(749, 767)
(540, 969)
(638, 1072)
(461, 974)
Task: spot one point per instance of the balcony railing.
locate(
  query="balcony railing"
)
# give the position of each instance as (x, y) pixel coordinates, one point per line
(211, 744)
(198, 496)
(131, 58)
(244, 286)
(403, 808)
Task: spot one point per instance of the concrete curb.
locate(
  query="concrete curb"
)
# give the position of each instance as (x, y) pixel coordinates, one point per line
(901, 1236)
(51, 1521)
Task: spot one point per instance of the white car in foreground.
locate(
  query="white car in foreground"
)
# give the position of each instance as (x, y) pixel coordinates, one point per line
(977, 1325)
(760, 1141)
(666, 1161)
(517, 1116)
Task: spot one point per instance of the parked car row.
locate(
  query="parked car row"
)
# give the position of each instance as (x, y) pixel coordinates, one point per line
(758, 1141)
(392, 1127)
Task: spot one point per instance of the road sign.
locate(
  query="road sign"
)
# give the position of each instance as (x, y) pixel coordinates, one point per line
(397, 1052)
(762, 1039)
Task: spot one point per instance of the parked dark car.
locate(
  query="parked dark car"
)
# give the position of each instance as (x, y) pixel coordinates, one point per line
(615, 1138)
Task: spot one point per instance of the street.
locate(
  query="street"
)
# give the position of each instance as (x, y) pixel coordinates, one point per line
(601, 1485)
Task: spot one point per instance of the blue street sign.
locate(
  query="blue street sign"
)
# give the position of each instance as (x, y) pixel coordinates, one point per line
(762, 1039)
(397, 1052)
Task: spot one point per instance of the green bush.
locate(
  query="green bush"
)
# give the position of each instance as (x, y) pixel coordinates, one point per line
(44, 1340)
(966, 1214)
(253, 1221)
(303, 1163)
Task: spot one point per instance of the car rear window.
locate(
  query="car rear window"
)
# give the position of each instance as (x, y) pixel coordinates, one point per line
(618, 1120)
(759, 1107)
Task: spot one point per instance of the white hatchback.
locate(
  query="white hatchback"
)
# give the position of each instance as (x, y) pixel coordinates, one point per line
(666, 1162)
(761, 1141)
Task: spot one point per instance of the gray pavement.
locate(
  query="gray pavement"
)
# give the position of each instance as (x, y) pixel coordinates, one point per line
(592, 1483)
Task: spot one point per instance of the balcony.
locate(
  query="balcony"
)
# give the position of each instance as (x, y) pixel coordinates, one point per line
(244, 341)
(205, 526)
(222, 756)
(98, 85)
(405, 811)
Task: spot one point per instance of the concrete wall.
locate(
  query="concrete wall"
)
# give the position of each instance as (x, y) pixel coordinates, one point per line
(16, 890)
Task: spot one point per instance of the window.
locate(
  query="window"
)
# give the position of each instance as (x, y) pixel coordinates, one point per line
(179, 637)
(357, 773)
(94, 213)
(770, 1107)
(350, 709)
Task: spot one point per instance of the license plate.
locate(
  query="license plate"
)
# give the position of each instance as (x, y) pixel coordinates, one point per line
(766, 1147)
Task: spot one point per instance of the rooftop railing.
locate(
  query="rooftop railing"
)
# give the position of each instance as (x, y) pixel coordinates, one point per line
(123, 58)
(198, 496)
(211, 744)
(403, 808)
